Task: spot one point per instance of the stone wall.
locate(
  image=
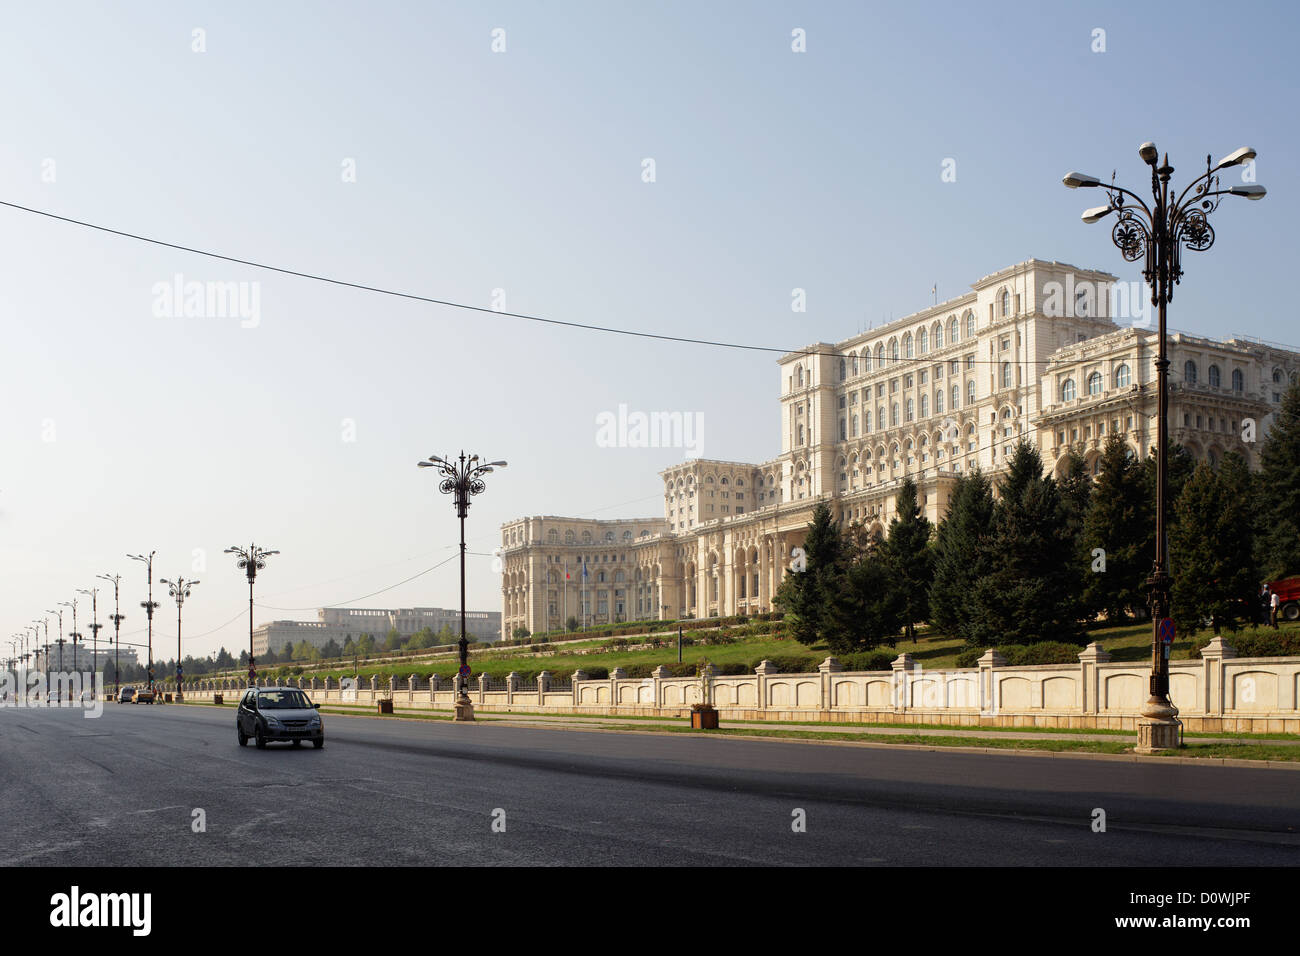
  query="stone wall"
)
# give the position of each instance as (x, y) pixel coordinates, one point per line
(1220, 692)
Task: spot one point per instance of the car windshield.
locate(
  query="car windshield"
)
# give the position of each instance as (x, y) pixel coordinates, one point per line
(282, 700)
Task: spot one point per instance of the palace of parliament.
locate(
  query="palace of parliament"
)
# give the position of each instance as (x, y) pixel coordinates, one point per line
(1031, 351)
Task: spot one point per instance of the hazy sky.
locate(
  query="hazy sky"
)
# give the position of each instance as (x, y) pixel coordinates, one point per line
(299, 427)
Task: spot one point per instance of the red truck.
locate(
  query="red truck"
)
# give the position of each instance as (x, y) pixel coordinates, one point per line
(1288, 595)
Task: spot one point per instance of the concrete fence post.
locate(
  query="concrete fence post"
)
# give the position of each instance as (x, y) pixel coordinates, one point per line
(659, 673)
(433, 687)
(1088, 698)
(762, 671)
(410, 687)
(827, 668)
(990, 696)
(512, 684)
(578, 675)
(616, 675)
(901, 665)
(482, 687)
(543, 685)
(1216, 689)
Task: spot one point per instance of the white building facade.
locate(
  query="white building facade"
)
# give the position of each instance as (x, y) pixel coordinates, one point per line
(1030, 351)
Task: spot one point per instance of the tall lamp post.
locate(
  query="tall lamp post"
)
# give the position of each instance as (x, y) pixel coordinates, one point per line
(94, 633)
(149, 606)
(462, 478)
(250, 560)
(180, 590)
(75, 635)
(59, 643)
(117, 620)
(1157, 234)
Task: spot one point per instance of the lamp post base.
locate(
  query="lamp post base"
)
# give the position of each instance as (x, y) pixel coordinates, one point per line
(464, 709)
(1158, 727)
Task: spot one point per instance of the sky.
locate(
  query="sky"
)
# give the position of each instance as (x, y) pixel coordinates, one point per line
(495, 154)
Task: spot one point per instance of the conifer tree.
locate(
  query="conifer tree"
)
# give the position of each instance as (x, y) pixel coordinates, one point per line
(1279, 492)
(908, 558)
(814, 599)
(1117, 534)
(961, 554)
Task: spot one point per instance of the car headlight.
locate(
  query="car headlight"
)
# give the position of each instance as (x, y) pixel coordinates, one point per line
(273, 721)
(314, 722)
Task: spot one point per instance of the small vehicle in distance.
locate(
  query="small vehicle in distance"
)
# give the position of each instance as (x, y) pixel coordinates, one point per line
(144, 697)
(278, 713)
(126, 695)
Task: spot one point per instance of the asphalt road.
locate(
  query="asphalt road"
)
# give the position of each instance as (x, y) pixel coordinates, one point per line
(121, 790)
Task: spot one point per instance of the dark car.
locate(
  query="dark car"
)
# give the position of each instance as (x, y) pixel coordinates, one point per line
(278, 713)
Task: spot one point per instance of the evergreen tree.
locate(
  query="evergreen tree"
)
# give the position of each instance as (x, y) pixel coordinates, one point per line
(394, 641)
(814, 599)
(1031, 594)
(1279, 492)
(1118, 523)
(1211, 549)
(874, 611)
(961, 554)
(1075, 488)
(908, 558)
(331, 650)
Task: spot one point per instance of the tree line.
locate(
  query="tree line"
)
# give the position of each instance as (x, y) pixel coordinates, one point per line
(1030, 558)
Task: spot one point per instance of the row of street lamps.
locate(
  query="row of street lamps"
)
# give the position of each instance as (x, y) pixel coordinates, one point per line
(251, 560)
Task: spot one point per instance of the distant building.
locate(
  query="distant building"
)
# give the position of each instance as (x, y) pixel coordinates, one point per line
(1032, 351)
(339, 624)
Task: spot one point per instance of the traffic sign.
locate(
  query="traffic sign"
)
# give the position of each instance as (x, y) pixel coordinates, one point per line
(1166, 630)
(464, 670)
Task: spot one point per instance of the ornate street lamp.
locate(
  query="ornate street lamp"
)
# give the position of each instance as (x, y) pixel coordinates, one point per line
(1157, 234)
(117, 620)
(251, 560)
(60, 642)
(94, 632)
(463, 479)
(149, 606)
(180, 590)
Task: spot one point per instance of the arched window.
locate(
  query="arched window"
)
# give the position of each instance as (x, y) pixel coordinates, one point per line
(843, 370)
(1006, 304)
(893, 350)
(855, 363)
(866, 421)
(866, 359)
(956, 397)
(970, 392)
(938, 402)
(880, 417)
(925, 406)
(800, 438)
(844, 429)
(923, 341)
(1277, 376)
(1006, 374)
(938, 335)
(855, 426)
(1068, 390)
(1238, 380)
(970, 325)
(880, 356)
(1123, 376)
(893, 414)
(1094, 383)
(907, 345)
(1213, 376)
(910, 416)
(568, 537)
(799, 377)
(552, 537)
(1189, 372)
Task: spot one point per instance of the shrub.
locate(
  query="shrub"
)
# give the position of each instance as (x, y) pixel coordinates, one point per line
(1256, 642)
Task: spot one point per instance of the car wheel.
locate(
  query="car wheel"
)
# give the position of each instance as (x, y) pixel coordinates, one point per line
(243, 737)
(261, 741)
(319, 743)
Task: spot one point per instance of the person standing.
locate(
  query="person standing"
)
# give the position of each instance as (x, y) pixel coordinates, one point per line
(1273, 605)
